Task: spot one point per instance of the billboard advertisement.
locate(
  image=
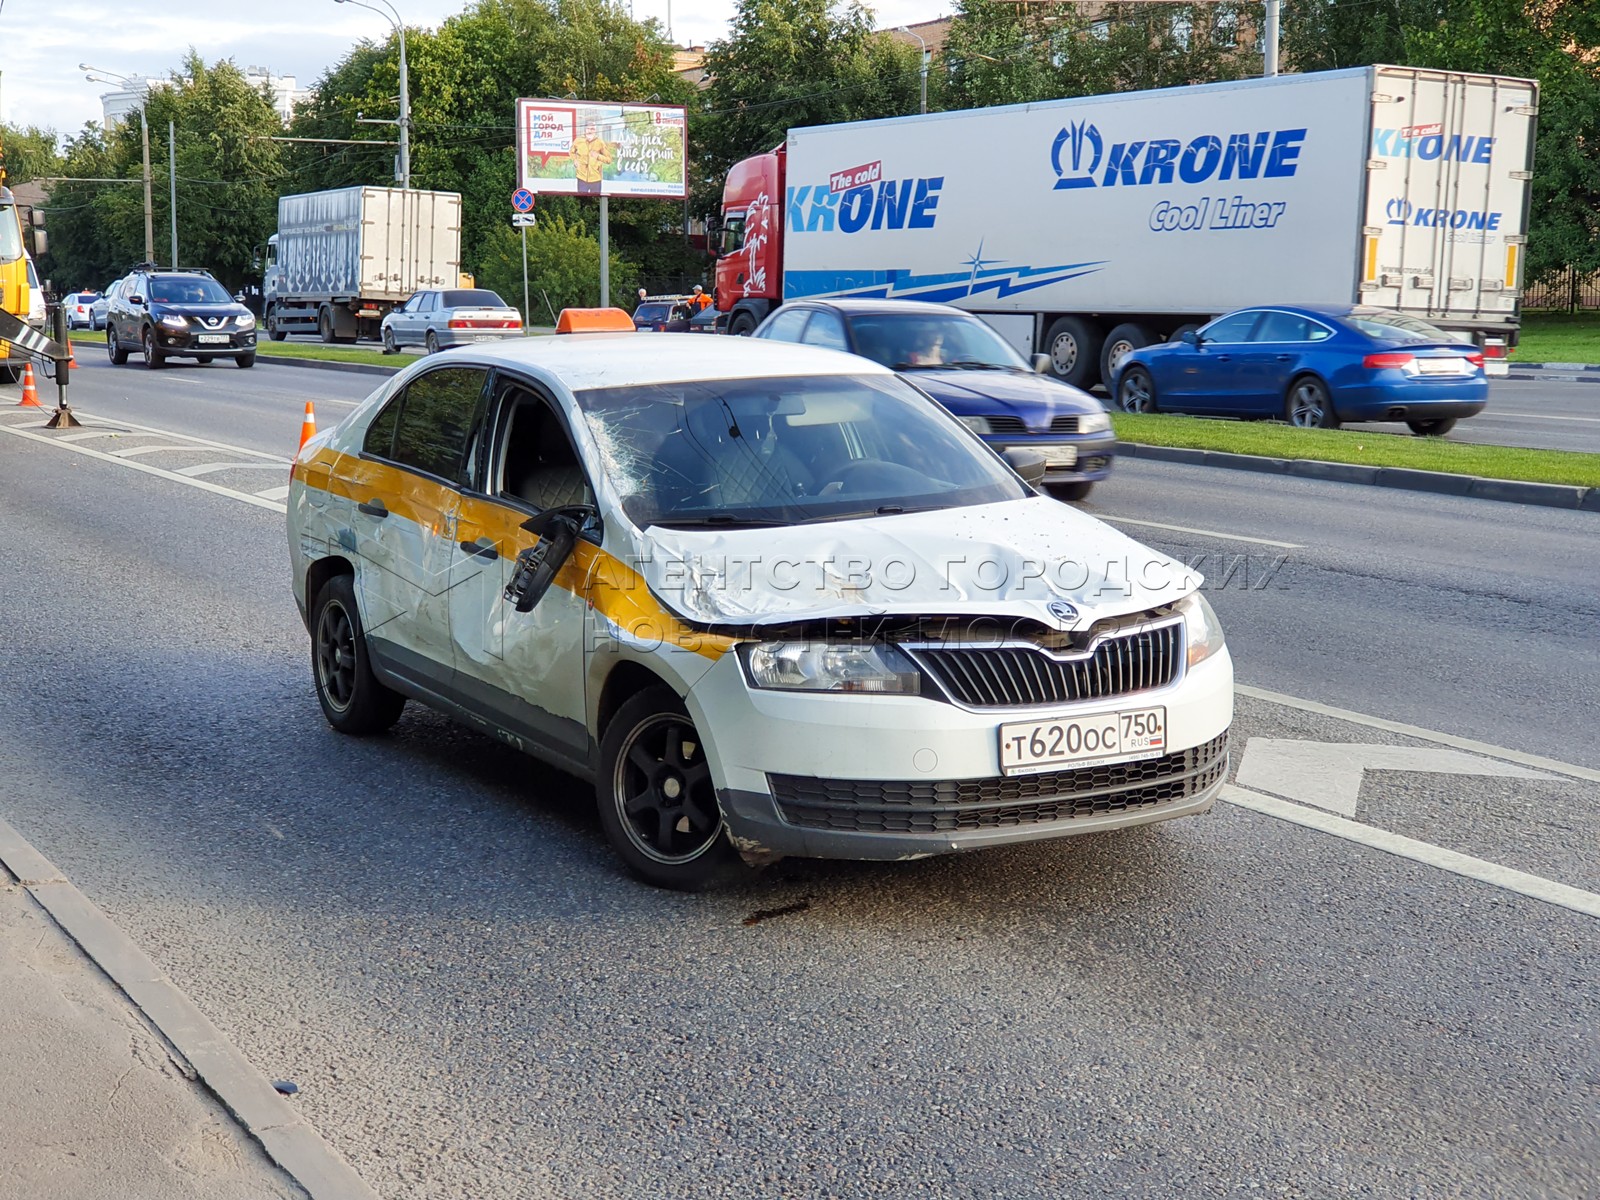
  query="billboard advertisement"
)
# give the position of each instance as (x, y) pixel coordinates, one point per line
(579, 148)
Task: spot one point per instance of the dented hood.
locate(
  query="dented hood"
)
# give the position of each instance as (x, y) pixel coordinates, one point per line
(1033, 558)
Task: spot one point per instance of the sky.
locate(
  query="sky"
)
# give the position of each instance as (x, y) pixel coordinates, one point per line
(45, 40)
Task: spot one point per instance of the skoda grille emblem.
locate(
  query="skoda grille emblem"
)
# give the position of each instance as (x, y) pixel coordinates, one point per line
(1063, 612)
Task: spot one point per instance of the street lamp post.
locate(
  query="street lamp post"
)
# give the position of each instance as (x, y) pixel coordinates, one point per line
(925, 57)
(97, 76)
(393, 17)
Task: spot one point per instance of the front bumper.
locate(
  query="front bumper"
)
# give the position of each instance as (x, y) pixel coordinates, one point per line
(881, 777)
(1092, 457)
(187, 342)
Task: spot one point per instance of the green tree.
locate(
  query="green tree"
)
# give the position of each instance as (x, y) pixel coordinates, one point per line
(29, 153)
(788, 63)
(1006, 53)
(465, 80)
(228, 178)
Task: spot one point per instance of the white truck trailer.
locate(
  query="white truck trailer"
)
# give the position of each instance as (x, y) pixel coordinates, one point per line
(1088, 227)
(341, 259)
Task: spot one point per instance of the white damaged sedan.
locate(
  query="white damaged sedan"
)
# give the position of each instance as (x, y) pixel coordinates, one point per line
(770, 599)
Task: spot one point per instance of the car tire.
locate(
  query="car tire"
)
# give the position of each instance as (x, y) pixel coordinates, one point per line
(1073, 345)
(154, 360)
(8, 375)
(271, 323)
(245, 360)
(1070, 491)
(1437, 427)
(325, 325)
(1136, 391)
(352, 698)
(743, 324)
(1308, 405)
(432, 341)
(114, 350)
(1122, 341)
(674, 836)
(389, 346)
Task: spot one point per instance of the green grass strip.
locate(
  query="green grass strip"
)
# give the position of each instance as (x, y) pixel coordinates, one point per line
(1271, 440)
(1559, 338)
(270, 349)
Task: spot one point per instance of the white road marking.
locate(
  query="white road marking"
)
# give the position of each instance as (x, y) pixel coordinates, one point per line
(147, 469)
(1426, 853)
(1545, 417)
(211, 467)
(89, 434)
(137, 451)
(1432, 735)
(1329, 774)
(277, 493)
(1211, 533)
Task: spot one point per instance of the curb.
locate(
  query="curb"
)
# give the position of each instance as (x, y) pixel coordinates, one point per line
(1568, 368)
(248, 1095)
(277, 360)
(1545, 495)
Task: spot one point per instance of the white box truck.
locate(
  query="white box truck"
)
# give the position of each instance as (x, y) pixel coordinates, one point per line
(341, 259)
(1086, 228)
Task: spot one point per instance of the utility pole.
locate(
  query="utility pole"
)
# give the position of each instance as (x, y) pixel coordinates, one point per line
(925, 56)
(172, 174)
(1269, 48)
(605, 251)
(393, 17)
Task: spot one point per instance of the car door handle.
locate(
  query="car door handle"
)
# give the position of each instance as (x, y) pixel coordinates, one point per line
(373, 508)
(1224, 358)
(1285, 357)
(479, 549)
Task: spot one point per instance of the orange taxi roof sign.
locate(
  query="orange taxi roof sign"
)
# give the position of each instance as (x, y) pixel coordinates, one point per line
(594, 320)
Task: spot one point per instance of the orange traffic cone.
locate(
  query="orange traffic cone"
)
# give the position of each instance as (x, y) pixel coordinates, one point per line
(72, 359)
(30, 394)
(308, 427)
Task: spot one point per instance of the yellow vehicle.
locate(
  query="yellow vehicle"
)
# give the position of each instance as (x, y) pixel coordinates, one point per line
(13, 278)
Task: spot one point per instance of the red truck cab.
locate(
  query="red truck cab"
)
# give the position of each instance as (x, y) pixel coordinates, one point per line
(750, 268)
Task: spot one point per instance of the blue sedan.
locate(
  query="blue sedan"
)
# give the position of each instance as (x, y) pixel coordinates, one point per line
(970, 370)
(1311, 366)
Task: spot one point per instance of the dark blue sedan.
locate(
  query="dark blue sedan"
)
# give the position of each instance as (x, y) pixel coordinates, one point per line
(1313, 367)
(969, 369)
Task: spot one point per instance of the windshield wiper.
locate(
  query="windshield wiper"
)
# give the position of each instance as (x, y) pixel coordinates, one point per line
(719, 521)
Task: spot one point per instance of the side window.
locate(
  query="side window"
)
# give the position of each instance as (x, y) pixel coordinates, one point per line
(430, 301)
(826, 329)
(538, 464)
(1235, 327)
(439, 413)
(1282, 327)
(379, 441)
(786, 325)
(1319, 332)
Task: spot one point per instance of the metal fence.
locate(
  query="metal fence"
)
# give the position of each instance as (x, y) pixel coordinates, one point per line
(1565, 291)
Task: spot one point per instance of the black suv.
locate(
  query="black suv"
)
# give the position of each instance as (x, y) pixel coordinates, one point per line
(178, 314)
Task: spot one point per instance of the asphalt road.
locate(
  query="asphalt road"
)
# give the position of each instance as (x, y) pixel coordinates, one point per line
(427, 933)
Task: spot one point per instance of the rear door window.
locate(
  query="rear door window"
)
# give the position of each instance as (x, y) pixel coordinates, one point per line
(433, 425)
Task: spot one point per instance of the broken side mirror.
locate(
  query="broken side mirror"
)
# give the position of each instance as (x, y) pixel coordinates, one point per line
(536, 567)
(1027, 463)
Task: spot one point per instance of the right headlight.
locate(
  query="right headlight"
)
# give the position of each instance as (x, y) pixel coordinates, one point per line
(1202, 632)
(1094, 422)
(875, 667)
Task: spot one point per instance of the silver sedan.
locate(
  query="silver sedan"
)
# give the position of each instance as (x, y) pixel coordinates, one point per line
(438, 320)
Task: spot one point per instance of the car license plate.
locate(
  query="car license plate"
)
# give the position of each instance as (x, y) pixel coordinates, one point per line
(1029, 747)
(1059, 456)
(1442, 366)
(213, 339)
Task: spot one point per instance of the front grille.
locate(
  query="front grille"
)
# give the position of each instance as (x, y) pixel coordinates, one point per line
(1006, 425)
(1018, 676)
(1065, 424)
(952, 806)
